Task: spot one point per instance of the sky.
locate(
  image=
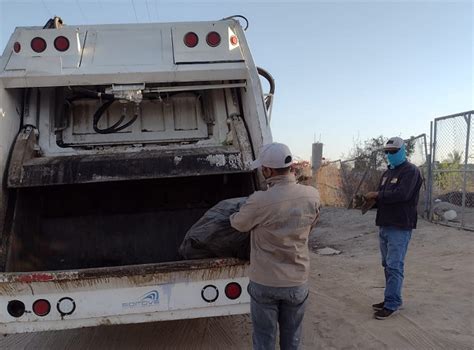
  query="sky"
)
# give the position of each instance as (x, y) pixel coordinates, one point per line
(345, 71)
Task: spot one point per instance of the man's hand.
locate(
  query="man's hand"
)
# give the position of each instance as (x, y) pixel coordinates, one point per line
(371, 195)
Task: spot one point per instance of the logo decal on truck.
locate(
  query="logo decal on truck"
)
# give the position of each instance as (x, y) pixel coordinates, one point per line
(148, 299)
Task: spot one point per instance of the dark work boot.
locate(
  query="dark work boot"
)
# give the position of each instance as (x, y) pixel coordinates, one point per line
(384, 313)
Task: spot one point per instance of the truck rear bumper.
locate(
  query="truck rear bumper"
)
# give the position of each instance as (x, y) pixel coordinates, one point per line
(24, 327)
(134, 294)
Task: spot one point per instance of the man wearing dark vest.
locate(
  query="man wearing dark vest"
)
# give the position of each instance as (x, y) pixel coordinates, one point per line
(396, 201)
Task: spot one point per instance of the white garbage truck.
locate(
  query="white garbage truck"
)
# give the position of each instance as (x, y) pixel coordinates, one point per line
(114, 141)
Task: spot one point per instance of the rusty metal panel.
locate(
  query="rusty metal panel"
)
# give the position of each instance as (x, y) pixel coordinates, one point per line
(23, 150)
(160, 273)
(125, 166)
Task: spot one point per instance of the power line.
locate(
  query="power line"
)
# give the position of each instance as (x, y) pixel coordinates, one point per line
(80, 10)
(156, 10)
(134, 11)
(101, 6)
(47, 9)
(147, 10)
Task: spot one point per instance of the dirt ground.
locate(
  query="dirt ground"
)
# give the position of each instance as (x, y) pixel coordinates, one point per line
(438, 308)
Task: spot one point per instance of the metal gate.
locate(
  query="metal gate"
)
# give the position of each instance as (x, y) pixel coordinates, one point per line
(452, 170)
(418, 155)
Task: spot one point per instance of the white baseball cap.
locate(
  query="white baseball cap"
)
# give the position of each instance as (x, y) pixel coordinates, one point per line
(394, 143)
(274, 155)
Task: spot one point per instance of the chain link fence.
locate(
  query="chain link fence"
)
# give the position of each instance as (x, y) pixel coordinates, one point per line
(452, 175)
(447, 167)
(418, 155)
(361, 175)
(340, 181)
(328, 180)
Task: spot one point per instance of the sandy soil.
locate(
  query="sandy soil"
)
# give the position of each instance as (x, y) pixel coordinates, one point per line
(438, 307)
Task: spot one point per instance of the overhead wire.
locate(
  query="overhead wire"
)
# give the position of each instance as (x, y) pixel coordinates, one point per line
(147, 10)
(47, 8)
(156, 10)
(81, 11)
(134, 11)
(101, 5)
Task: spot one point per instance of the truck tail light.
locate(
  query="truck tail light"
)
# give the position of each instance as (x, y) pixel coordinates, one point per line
(61, 43)
(191, 39)
(234, 40)
(16, 47)
(213, 39)
(233, 290)
(210, 293)
(38, 44)
(16, 308)
(41, 307)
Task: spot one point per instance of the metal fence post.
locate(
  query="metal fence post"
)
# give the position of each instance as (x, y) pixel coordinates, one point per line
(427, 207)
(467, 118)
(432, 164)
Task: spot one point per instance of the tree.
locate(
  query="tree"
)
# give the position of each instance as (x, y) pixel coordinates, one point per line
(454, 157)
(371, 151)
(450, 177)
(367, 162)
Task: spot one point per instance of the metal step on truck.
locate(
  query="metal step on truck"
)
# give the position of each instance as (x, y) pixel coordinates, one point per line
(114, 141)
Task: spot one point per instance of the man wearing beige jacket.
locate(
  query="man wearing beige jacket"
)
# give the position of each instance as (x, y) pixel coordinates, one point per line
(279, 221)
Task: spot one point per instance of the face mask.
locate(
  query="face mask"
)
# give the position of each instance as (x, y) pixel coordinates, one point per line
(398, 158)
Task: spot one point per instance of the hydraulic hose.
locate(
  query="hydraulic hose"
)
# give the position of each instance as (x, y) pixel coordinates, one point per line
(238, 16)
(109, 100)
(114, 128)
(271, 82)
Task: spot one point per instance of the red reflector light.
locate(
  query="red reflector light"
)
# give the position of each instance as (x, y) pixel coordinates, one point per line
(213, 39)
(61, 43)
(233, 40)
(41, 307)
(191, 39)
(38, 44)
(233, 290)
(16, 47)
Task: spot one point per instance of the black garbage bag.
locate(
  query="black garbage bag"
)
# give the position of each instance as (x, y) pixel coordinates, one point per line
(213, 237)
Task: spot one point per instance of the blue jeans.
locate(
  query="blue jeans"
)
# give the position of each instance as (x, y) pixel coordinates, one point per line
(272, 305)
(393, 247)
